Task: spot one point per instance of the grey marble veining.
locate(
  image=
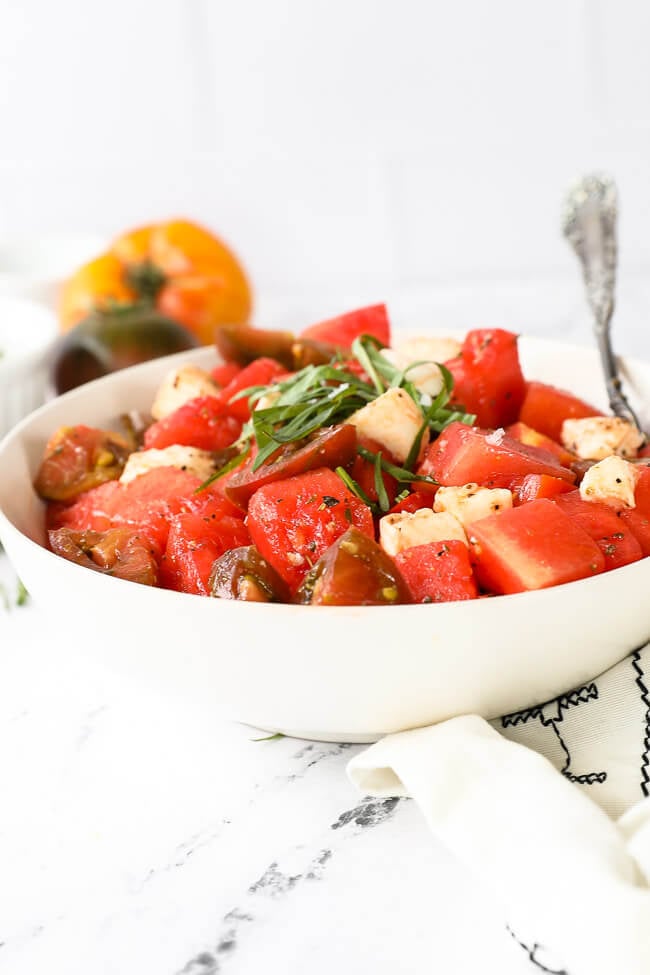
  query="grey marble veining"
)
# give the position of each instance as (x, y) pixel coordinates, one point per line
(141, 836)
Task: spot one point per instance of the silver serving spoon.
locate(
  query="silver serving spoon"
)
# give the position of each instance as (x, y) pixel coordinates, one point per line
(589, 224)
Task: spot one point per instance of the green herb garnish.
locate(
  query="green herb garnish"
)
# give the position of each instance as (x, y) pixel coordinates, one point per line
(401, 474)
(380, 488)
(354, 487)
(323, 396)
(227, 467)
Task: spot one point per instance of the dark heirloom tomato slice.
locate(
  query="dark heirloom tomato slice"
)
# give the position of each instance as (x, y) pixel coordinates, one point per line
(243, 343)
(119, 552)
(333, 447)
(354, 571)
(309, 352)
(79, 458)
(243, 574)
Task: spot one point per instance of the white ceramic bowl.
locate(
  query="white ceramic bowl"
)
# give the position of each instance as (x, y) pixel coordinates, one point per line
(27, 331)
(340, 673)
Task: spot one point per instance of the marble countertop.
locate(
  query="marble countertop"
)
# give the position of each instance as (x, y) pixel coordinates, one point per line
(141, 836)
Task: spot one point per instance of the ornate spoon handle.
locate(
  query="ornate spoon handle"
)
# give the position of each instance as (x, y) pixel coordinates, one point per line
(589, 224)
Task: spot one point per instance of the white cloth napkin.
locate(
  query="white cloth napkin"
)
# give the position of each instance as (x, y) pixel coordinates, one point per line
(572, 875)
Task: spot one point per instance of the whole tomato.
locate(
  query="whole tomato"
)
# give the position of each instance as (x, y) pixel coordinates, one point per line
(181, 268)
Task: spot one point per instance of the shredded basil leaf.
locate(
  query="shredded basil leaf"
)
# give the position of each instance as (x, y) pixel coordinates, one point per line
(380, 488)
(227, 467)
(354, 487)
(325, 395)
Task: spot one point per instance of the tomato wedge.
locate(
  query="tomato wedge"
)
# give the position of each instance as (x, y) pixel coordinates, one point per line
(242, 573)
(119, 552)
(79, 458)
(354, 571)
(334, 447)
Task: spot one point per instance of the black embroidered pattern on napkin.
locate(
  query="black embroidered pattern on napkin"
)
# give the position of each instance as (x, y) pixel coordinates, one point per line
(645, 757)
(580, 695)
(532, 955)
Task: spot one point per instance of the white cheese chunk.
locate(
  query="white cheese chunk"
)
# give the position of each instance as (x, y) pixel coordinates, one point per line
(470, 502)
(393, 420)
(597, 437)
(427, 351)
(406, 529)
(612, 481)
(267, 401)
(179, 387)
(190, 459)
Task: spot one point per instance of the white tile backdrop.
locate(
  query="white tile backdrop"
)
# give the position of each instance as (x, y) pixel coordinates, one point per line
(415, 150)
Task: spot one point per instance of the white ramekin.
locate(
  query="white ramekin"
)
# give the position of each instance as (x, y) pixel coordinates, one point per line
(27, 333)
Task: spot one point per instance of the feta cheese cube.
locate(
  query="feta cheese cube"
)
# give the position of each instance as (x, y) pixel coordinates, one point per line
(179, 387)
(393, 420)
(597, 437)
(267, 401)
(191, 459)
(470, 502)
(404, 529)
(428, 351)
(611, 481)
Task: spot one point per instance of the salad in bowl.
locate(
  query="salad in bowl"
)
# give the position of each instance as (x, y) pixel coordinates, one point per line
(341, 467)
(343, 533)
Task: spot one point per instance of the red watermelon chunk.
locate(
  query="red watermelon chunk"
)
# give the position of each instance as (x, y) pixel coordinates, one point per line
(193, 546)
(613, 536)
(292, 522)
(464, 454)
(438, 572)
